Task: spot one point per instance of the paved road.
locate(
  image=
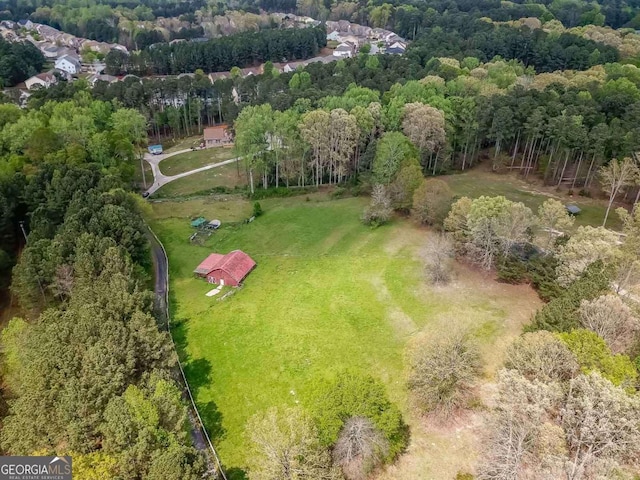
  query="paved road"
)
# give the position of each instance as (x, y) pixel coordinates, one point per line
(160, 179)
(198, 434)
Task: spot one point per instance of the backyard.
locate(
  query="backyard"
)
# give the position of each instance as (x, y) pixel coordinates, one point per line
(328, 293)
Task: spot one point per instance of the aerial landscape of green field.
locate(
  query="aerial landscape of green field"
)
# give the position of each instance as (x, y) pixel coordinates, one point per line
(339, 240)
(328, 294)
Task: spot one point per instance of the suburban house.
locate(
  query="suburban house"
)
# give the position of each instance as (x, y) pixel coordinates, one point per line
(246, 72)
(333, 36)
(69, 64)
(28, 24)
(214, 136)
(42, 80)
(344, 50)
(218, 76)
(49, 50)
(95, 78)
(229, 269)
(396, 48)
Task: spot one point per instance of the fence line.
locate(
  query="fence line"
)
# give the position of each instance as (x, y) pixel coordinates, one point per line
(184, 377)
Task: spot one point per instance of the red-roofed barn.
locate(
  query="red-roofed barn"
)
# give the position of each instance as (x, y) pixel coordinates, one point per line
(229, 269)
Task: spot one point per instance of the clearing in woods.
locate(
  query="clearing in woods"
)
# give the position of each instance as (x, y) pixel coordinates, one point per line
(328, 294)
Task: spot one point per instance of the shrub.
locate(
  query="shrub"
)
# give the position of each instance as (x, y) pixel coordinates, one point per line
(257, 209)
(593, 354)
(541, 356)
(561, 313)
(538, 270)
(443, 371)
(354, 395)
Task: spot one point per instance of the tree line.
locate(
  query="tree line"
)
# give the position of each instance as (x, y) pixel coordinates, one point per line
(562, 128)
(77, 375)
(570, 381)
(222, 54)
(566, 402)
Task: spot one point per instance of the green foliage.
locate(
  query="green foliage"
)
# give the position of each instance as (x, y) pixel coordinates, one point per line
(464, 476)
(257, 209)
(221, 54)
(593, 354)
(350, 395)
(560, 314)
(18, 61)
(533, 268)
(393, 150)
(71, 390)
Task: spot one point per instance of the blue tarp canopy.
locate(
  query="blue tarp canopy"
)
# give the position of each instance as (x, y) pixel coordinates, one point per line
(198, 222)
(573, 209)
(155, 149)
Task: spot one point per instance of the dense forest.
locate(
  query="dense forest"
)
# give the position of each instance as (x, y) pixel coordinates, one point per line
(81, 283)
(245, 49)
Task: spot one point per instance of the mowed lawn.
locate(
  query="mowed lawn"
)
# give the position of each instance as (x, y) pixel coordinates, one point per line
(195, 159)
(228, 176)
(477, 182)
(328, 294)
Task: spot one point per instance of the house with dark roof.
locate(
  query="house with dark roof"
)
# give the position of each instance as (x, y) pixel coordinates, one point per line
(229, 269)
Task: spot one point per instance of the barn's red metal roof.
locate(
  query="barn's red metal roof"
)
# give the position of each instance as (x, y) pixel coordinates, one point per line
(208, 263)
(236, 264)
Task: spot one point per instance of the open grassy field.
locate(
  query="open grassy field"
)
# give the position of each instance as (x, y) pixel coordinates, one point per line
(195, 159)
(477, 182)
(328, 293)
(183, 143)
(228, 176)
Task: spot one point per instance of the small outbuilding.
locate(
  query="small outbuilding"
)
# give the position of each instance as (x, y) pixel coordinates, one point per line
(229, 269)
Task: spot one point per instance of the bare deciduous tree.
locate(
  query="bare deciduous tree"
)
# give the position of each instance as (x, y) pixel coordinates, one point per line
(63, 281)
(541, 356)
(554, 219)
(286, 447)
(612, 319)
(443, 372)
(522, 442)
(600, 423)
(379, 210)
(360, 448)
(425, 127)
(585, 247)
(614, 177)
(438, 255)
(431, 202)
